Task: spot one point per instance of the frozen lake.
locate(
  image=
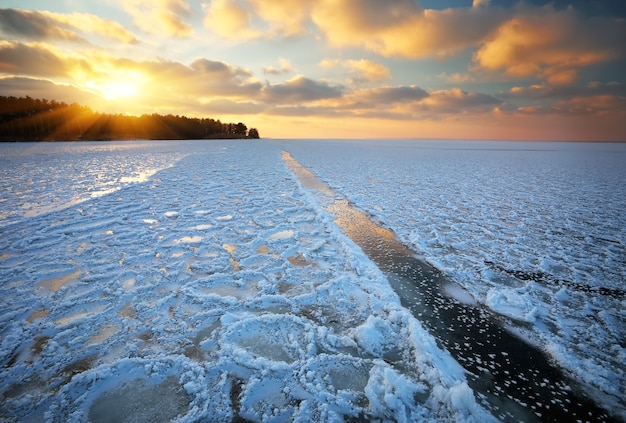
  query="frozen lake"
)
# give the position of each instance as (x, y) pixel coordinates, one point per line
(206, 274)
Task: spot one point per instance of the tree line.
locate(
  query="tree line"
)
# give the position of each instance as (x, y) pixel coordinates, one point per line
(29, 119)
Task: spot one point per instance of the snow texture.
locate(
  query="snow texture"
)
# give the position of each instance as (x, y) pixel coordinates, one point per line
(195, 280)
(534, 231)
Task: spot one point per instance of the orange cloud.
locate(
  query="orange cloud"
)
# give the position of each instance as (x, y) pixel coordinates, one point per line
(160, 17)
(552, 45)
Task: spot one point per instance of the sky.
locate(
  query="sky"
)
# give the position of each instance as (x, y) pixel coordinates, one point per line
(461, 69)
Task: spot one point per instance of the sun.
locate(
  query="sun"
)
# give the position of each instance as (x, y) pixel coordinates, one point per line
(114, 90)
(118, 84)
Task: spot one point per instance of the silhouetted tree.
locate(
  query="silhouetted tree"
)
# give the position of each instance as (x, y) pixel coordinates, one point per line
(241, 129)
(253, 133)
(28, 119)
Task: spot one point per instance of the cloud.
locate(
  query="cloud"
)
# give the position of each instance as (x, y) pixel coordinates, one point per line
(413, 102)
(229, 107)
(389, 95)
(391, 28)
(329, 63)
(538, 92)
(160, 17)
(93, 24)
(48, 26)
(401, 28)
(218, 78)
(367, 71)
(299, 90)
(519, 42)
(456, 77)
(458, 101)
(361, 71)
(592, 99)
(43, 88)
(284, 66)
(286, 18)
(202, 80)
(159, 80)
(233, 18)
(306, 111)
(36, 60)
(34, 26)
(596, 105)
(403, 102)
(585, 108)
(551, 45)
(230, 20)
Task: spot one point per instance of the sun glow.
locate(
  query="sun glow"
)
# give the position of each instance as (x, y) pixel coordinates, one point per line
(119, 89)
(119, 85)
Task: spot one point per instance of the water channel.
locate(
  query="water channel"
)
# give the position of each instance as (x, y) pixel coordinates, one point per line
(515, 380)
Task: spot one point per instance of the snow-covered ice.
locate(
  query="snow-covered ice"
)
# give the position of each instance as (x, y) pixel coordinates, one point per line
(196, 280)
(536, 232)
(202, 274)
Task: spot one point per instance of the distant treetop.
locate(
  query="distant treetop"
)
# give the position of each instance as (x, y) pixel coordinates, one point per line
(28, 119)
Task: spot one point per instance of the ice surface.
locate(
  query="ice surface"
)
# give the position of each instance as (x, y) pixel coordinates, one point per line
(534, 231)
(511, 303)
(205, 283)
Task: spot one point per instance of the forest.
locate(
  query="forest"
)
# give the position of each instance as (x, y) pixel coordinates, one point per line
(29, 119)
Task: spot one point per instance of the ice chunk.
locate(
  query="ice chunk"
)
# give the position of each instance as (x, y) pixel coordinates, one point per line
(510, 303)
(277, 338)
(137, 390)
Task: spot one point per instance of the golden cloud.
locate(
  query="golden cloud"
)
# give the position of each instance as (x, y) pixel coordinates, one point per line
(391, 28)
(403, 29)
(157, 81)
(45, 25)
(229, 19)
(93, 24)
(286, 18)
(526, 41)
(37, 59)
(160, 17)
(552, 45)
(361, 70)
(368, 71)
